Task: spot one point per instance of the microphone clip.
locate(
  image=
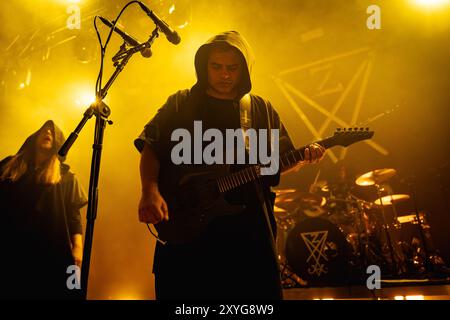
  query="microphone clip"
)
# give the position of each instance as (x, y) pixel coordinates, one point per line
(144, 47)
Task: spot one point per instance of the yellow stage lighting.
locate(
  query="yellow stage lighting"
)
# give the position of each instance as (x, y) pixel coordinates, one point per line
(431, 3)
(172, 9)
(416, 297)
(84, 98)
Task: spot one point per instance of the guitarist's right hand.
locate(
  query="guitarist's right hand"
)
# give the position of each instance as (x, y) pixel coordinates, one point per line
(152, 207)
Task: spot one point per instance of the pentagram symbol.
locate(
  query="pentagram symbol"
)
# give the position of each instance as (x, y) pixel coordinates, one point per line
(330, 84)
(315, 242)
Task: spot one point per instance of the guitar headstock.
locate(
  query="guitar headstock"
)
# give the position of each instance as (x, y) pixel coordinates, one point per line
(347, 136)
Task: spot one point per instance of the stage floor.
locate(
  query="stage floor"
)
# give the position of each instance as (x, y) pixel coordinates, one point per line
(399, 289)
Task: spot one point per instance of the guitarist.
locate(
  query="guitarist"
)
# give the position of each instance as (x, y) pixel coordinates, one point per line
(234, 256)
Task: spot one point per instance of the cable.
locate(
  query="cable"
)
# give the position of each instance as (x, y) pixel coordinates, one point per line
(98, 84)
(156, 237)
(102, 55)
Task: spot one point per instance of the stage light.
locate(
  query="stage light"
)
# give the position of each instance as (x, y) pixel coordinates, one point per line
(172, 9)
(411, 297)
(84, 99)
(431, 3)
(417, 297)
(127, 297)
(85, 46)
(184, 25)
(27, 82)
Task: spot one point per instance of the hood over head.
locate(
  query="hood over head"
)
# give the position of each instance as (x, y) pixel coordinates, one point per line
(235, 40)
(58, 140)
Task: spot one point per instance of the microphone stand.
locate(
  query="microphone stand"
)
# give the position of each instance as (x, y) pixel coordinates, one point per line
(101, 112)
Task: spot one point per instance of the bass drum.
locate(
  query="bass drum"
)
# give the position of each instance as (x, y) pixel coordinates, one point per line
(317, 251)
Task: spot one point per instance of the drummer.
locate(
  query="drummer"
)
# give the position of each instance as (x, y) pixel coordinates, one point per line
(337, 190)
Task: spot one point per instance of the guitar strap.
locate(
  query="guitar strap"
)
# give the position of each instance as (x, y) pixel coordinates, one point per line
(245, 106)
(245, 109)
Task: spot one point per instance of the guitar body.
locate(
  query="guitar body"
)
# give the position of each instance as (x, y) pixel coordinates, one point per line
(203, 193)
(194, 203)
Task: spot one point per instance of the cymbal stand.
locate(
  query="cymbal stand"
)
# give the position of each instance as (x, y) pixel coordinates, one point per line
(289, 279)
(428, 265)
(363, 247)
(394, 210)
(386, 229)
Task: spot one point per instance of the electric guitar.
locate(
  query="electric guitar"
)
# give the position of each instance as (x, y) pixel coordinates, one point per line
(200, 195)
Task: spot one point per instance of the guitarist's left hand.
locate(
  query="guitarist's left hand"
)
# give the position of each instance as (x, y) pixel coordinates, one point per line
(314, 153)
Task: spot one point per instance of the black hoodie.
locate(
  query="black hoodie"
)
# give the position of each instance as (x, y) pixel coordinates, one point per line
(185, 105)
(38, 222)
(59, 139)
(235, 40)
(233, 241)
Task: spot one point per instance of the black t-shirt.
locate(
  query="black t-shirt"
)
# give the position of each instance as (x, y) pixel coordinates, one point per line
(233, 246)
(220, 114)
(38, 222)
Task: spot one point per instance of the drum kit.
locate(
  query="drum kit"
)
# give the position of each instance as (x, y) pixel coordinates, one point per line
(329, 236)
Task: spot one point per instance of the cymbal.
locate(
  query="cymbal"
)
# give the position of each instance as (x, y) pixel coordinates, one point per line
(292, 201)
(278, 210)
(375, 177)
(389, 200)
(284, 191)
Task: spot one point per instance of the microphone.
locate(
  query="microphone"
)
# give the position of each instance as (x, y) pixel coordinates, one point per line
(146, 52)
(171, 34)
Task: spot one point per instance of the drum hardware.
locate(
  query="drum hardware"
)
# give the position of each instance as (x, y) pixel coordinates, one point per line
(317, 249)
(391, 199)
(362, 232)
(280, 192)
(309, 204)
(412, 218)
(375, 178)
(289, 279)
(289, 201)
(428, 265)
(411, 244)
(396, 267)
(285, 222)
(357, 202)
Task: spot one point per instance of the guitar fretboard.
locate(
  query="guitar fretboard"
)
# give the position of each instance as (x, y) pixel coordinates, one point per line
(289, 159)
(252, 173)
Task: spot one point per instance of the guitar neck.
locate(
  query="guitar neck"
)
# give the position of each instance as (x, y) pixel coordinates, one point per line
(251, 173)
(289, 159)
